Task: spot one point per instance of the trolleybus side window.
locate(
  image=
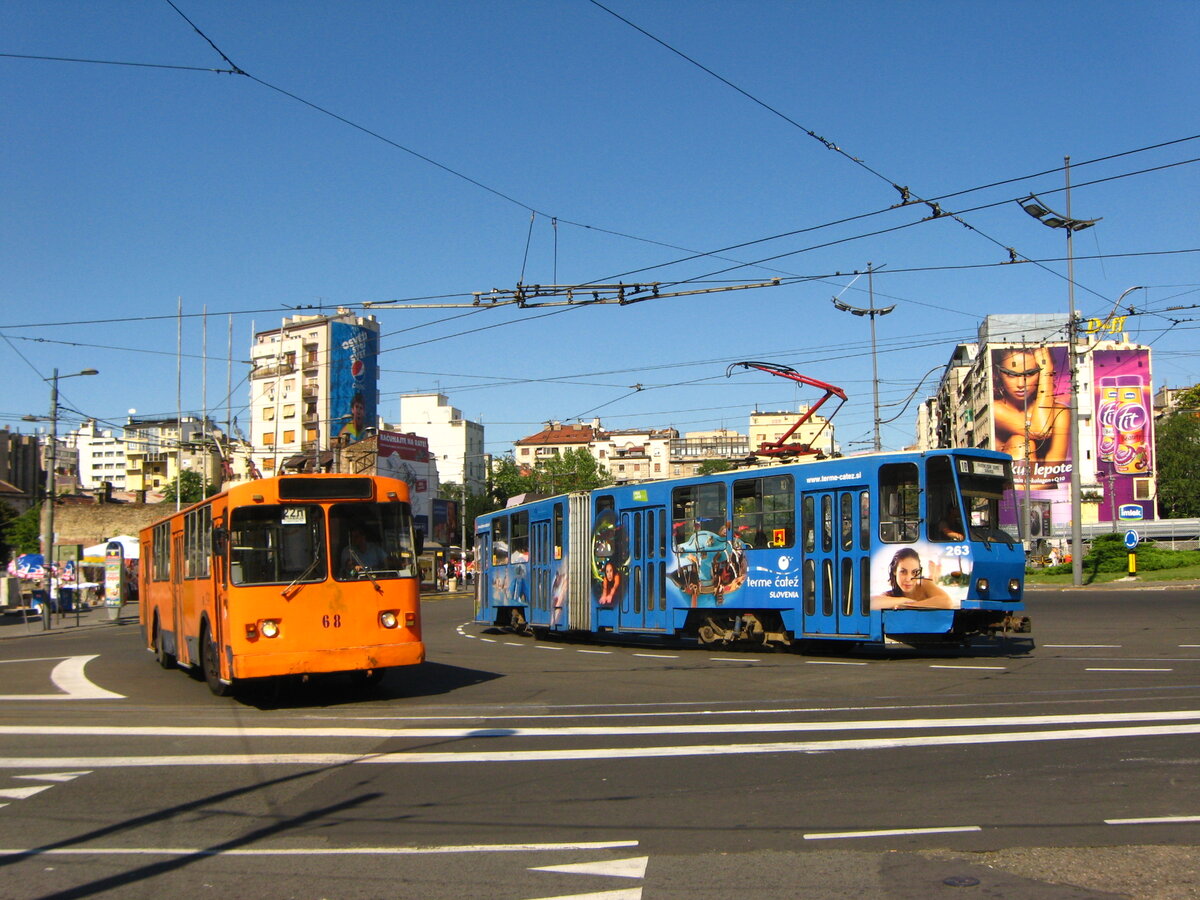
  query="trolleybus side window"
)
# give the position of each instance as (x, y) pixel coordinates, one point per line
(899, 510)
(500, 541)
(162, 552)
(372, 540)
(943, 517)
(277, 544)
(764, 511)
(197, 541)
(695, 508)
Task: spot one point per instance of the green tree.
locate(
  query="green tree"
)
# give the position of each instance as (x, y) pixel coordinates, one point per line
(1177, 448)
(574, 470)
(712, 466)
(22, 533)
(189, 486)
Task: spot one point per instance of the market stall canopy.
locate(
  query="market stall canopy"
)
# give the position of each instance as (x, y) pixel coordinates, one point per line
(94, 555)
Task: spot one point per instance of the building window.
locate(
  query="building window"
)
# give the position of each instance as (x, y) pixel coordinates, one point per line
(268, 464)
(289, 411)
(268, 414)
(289, 437)
(268, 439)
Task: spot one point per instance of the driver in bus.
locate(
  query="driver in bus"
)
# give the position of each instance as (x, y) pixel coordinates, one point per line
(361, 555)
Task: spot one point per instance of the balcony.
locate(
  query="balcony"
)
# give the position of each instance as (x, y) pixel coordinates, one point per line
(273, 369)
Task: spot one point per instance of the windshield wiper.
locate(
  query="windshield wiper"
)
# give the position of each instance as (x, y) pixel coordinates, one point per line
(364, 568)
(299, 578)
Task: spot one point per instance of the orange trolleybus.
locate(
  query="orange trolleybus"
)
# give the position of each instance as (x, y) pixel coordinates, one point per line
(292, 575)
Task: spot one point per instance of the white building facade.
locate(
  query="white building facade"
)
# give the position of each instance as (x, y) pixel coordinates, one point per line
(455, 442)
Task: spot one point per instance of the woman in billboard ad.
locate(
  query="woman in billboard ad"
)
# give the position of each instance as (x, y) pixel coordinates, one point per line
(921, 576)
(1031, 411)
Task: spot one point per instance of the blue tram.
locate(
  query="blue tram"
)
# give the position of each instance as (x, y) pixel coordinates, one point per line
(885, 548)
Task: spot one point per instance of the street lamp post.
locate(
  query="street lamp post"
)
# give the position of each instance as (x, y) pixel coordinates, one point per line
(51, 462)
(1051, 219)
(871, 311)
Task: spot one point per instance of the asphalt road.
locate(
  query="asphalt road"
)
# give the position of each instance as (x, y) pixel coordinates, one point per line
(508, 767)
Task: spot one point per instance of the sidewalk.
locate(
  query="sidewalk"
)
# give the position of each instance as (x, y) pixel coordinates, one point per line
(28, 622)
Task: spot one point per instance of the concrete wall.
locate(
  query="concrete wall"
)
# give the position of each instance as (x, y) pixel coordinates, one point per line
(93, 523)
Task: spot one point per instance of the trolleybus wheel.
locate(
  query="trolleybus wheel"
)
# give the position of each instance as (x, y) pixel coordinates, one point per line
(165, 659)
(210, 662)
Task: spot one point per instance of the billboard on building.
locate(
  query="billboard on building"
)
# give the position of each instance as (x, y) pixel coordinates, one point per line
(353, 380)
(1031, 396)
(1124, 437)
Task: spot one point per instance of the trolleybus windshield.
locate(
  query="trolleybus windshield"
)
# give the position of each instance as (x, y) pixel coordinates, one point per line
(277, 544)
(372, 540)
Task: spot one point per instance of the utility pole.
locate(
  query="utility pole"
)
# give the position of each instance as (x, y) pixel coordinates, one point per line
(872, 311)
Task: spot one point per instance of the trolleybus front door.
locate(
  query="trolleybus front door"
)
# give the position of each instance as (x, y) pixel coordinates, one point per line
(643, 600)
(836, 534)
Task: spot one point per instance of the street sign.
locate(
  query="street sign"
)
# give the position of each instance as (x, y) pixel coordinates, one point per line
(1131, 539)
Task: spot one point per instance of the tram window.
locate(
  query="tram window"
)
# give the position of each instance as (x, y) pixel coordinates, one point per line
(846, 501)
(662, 532)
(650, 535)
(808, 524)
(764, 511)
(500, 541)
(558, 531)
(826, 522)
(864, 520)
(847, 586)
(662, 585)
(518, 545)
(827, 587)
(899, 491)
(604, 503)
(943, 516)
(695, 508)
(864, 585)
(810, 587)
(637, 535)
(637, 589)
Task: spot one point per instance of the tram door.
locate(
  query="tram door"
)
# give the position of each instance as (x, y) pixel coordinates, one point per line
(483, 567)
(644, 599)
(836, 534)
(541, 560)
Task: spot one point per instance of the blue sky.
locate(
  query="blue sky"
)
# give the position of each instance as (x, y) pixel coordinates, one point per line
(467, 128)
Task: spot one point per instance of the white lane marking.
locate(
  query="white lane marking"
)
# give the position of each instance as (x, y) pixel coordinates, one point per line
(617, 868)
(1154, 820)
(1126, 669)
(1189, 645)
(890, 832)
(604, 753)
(604, 652)
(489, 640)
(733, 659)
(315, 851)
(1083, 646)
(623, 894)
(544, 647)
(984, 668)
(59, 777)
(823, 662)
(658, 655)
(68, 677)
(264, 731)
(24, 792)
(514, 643)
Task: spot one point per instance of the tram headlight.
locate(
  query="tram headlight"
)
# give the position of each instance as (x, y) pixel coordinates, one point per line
(388, 619)
(982, 586)
(268, 628)
(1014, 586)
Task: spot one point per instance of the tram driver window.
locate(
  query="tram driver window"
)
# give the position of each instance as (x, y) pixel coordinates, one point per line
(899, 508)
(943, 515)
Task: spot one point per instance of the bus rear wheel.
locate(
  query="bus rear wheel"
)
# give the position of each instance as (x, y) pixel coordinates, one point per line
(210, 662)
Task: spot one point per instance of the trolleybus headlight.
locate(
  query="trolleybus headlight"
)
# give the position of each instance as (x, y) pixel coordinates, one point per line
(982, 585)
(387, 619)
(269, 628)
